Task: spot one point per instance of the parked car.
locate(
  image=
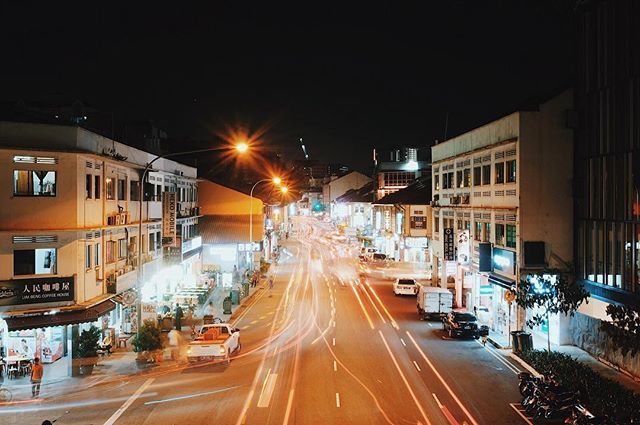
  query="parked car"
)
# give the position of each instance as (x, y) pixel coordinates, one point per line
(377, 257)
(405, 287)
(461, 324)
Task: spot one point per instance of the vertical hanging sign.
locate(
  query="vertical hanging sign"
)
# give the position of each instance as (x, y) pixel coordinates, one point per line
(449, 250)
(169, 219)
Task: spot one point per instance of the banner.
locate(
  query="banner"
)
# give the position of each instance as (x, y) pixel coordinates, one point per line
(169, 219)
(464, 254)
(449, 249)
(37, 290)
(418, 222)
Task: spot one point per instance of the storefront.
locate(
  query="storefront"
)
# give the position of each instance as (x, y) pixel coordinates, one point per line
(415, 250)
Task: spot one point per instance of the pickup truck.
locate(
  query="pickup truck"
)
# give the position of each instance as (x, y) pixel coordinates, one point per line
(214, 341)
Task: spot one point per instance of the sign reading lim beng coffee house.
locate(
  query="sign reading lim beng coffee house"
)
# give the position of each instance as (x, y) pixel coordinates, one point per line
(37, 290)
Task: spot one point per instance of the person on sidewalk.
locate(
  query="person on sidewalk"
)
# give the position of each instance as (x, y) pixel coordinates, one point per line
(179, 315)
(36, 377)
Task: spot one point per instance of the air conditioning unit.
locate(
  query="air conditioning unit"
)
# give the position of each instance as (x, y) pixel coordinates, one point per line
(454, 200)
(464, 199)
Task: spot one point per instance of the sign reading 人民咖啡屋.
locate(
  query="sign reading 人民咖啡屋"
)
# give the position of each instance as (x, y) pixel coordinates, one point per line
(449, 249)
(36, 290)
(169, 219)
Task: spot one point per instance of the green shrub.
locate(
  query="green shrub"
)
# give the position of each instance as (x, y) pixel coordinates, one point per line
(148, 339)
(601, 396)
(88, 344)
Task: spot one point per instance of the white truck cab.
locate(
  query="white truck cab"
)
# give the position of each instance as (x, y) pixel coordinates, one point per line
(214, 341)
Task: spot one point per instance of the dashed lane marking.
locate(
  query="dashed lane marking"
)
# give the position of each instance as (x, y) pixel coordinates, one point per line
(416, 365)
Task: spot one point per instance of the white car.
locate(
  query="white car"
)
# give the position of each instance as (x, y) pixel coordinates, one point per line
(214, 341)
(405, 287)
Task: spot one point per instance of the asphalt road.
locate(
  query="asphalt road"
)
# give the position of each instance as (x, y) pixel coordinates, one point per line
(325, 346)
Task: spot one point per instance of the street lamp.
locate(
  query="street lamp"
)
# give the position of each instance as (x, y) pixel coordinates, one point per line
(274, 180)
(240, 147)
(284, 189)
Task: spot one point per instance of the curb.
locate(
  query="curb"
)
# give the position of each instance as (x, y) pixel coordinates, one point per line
(525, 365)
(495, 343)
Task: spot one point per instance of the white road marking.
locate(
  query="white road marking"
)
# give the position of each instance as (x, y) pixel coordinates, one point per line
(520, 413)
(334, 342)
(267, 390)
(402, 341)
(511, 367)
(416, 365)
(337, 399)
(129, 402)
(437, 400)
(191, 395)
(435, 371)
(254, 322)
(335, 366)
(288, 411)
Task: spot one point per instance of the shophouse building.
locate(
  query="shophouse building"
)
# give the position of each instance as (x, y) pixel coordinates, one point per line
(498, 191)
(353, 211)
(398, 169)
(69, 233)
(339, 185)
(607, 168)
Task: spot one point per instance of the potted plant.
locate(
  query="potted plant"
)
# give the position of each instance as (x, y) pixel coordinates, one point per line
(147, 343)
(86, 353)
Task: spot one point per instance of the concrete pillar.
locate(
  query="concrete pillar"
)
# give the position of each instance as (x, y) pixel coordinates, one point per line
(74, 369)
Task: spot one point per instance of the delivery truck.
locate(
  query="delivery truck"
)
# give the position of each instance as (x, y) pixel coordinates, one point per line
(434, 302)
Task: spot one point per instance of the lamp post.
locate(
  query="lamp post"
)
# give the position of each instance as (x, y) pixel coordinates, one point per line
(240, 147)
(276, 181)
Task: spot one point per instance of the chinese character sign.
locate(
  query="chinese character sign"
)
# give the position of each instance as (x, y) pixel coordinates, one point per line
(449, 249)
(37, 290)
(463, 247)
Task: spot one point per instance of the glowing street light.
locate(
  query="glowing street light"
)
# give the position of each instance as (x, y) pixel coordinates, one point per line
(242, 147)
(284, 189)
(277, 181)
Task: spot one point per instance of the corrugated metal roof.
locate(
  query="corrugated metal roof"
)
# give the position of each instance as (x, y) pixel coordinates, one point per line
(232, 228)
(417, 193)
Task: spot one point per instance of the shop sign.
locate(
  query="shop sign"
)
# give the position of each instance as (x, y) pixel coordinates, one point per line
(449, 250)
(504, 261)
(416, 242)
(418, 222)
(37, 290)
(148, 312)
(169, 219)
(486, 290)
(463, 247)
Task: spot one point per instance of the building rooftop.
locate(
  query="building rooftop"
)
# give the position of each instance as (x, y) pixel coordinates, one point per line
(417, 193)
(364, 194)
(229, 229)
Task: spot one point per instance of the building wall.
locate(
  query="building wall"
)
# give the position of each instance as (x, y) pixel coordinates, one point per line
(338, 187)
(216, 199)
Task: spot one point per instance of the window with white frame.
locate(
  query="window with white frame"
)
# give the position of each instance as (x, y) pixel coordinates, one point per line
(34, 183)
(34, 261)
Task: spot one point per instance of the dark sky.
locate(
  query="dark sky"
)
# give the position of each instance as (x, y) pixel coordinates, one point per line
(344, 77)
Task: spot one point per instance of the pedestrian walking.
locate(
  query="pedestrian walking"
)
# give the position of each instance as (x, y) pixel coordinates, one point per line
(36, 377)
(270, 285)
(179, 316)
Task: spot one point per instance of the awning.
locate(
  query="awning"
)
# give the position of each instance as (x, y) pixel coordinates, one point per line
(504, 282)
(73, 317)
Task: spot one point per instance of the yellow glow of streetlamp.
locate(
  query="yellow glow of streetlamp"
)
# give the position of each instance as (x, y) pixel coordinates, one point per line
(242, 147)
(284, 189)
(277, 181)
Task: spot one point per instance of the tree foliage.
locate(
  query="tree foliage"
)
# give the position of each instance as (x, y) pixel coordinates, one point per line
(551, 292)
(624, 328)
(148, 339)
(88, 343)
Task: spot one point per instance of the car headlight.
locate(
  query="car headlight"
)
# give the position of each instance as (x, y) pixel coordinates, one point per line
(222, 350)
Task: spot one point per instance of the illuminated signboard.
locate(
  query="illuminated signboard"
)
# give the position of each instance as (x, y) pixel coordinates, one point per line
(504, 261)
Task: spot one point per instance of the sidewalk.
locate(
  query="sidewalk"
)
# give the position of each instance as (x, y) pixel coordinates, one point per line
(121, 363)
(539, 343)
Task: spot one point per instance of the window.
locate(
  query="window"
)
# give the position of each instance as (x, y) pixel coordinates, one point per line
(96, 186)
(110, 188)
(87, 257)
(500, 234)
(459, 181)
(477, 176)
(511, 235)
(122, 248)
(152, 241)
(134, 192)
(459, 224)
(499, 172)
(486, 174)
(436, 181)
(111, 251)
(159, 192)
(487, 232)
(466, 180)
(158, 240)
(34, 261)
(477, 235)
(97, 252)
(88, 185)
(133, 247)
(34, 183)
(122, 189)
(436, 224)
(511, 171)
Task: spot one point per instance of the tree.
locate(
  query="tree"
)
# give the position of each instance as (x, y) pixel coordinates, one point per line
(88, 343)
(552, 292)
(624, 328)
(147, 340)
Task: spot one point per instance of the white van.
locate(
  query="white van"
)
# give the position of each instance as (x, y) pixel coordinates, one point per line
(434, 302)
(405, 287)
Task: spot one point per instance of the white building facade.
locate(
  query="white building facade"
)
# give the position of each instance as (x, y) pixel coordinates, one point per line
(69, 230)
(497, 189)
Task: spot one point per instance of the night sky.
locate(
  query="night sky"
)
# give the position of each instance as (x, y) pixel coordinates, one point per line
(345, 78)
